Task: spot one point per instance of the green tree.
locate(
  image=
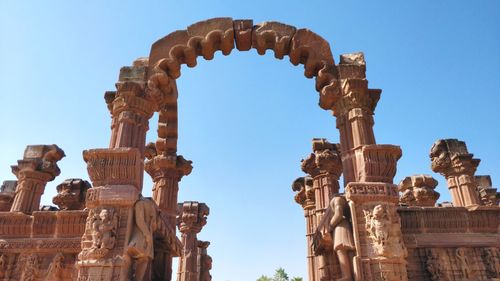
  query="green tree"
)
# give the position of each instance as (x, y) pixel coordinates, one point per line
(280, 275)
(264, 278)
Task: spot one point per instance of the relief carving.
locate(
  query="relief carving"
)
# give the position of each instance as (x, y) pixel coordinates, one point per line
(30, 267)
(435, 266)
(463, 263)
(379, 224)
(104, 223)
(56, 267)
(491, 258)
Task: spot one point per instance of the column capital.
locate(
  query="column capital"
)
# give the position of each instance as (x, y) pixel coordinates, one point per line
(325, 159)
(192, 216)
(304, 196)
(418, 190)
(39, 162)
(160, 165)
(450, 157)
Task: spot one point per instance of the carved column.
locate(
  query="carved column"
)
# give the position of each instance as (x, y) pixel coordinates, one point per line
(192, 218)
(324, 166)
(204, 261)
(304, 196)
(354, 111)
(116, 176)
(131, 108)
(451, 159)
(166, 172)
(7, 193)
(380, 252)
(39, 166)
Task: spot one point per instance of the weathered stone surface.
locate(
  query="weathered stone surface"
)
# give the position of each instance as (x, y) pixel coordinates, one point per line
(71, 194)
(418, 190)
(243, 30)
(7, 193)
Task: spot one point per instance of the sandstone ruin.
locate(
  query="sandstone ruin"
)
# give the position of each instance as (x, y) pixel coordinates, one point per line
(368, 229)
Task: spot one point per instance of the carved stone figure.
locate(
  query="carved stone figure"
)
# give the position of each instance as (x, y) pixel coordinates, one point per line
(491, 258)
(56, 267)
(103, 224)
(71, 194)
(435, 266)
(30, 268)
(463, 263)
(343, 241)
(140, 246)
(104, 236)
(3, 265)
(377, 224)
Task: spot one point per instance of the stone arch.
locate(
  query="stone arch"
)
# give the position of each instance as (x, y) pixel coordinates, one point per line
(224, 34)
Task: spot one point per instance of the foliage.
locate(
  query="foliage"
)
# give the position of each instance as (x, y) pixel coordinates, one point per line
(279, 275)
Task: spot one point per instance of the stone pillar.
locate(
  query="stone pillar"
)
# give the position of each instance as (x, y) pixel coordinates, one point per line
(166, 172)
(7, 193)
(116, 176)
(324, 166)
(354, 111)
(39, 166)
(304, 196)
(204, 261)
(131, 108)
(192, 217)
(451, 159)
(418, 190)
(380, 252)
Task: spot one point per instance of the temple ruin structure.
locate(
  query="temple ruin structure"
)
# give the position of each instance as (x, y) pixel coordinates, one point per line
(366, 228)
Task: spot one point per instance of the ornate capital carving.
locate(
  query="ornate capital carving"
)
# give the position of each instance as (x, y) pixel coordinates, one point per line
(160, 166)
(450, 157)
(192, 216)
(39, 158)
(418, 190)
(114, 166)
(377, 162)
(326, 159)
(71, 194)
(304, 195)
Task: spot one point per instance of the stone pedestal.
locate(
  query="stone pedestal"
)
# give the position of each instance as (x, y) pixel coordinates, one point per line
(192, 217)
(380, 251)
(39, 166)
(451, 159)
(115, 175)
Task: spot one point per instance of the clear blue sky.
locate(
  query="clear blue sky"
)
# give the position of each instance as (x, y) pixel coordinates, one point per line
(247, 120)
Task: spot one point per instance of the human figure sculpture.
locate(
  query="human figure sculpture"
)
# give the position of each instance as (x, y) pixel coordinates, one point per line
(463, 263)
(491, 259)
(30, 268)
(343, 241)
(103, 236)
(435, 267)
(3, 265)
(377, 224)
(140, 246)
(55, 269)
